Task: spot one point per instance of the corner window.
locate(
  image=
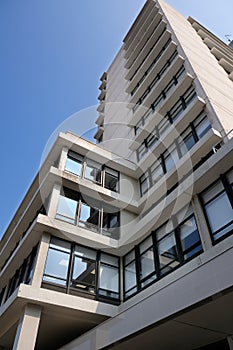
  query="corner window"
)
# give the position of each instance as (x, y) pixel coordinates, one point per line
(79, 270)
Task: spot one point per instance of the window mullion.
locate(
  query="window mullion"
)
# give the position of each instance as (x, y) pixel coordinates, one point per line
(70, 268)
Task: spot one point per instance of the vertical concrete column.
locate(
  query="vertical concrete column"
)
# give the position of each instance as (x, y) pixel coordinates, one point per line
(201, 223)
(27, 330)
(63, 157)
(40, 261)
(52, 208)
(230, 342)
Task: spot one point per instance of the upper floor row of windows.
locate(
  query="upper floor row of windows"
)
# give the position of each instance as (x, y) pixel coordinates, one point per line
(93, 171)
(171, 116)
(163, 69)
(167, 160)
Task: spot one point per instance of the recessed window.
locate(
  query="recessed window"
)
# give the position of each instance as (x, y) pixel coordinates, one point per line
(88, 213)
(67, 209)
(74, 163)
(92, 171)
(111, 179)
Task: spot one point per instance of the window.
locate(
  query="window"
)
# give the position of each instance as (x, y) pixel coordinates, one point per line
(88, 213)
(156, 172)
(109, 276)
(167, 248)
(67, 209)
(57, 262)
(144, 183)
(201, 125)
(217, 202)
(187, 141)
(92, 171)
(111, 222)
(146, 262)
(74, 163)
(197, 129)
(111, 179)
(130, 282)
(170, 157)
(84, 269)
(79, 270)
(22, 275)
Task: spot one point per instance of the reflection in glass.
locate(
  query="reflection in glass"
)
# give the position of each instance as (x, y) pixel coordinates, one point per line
(89, 216)
(168, 257)
(56, 267)
(190, 239)
(66, 209)
(74, 164)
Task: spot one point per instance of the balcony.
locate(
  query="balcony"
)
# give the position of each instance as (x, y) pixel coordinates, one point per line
(146, 16)
(152, 66)
(144, 39)
(153, 46)
(99, 121)
(187, 115)
(161, 83)
(101, 106)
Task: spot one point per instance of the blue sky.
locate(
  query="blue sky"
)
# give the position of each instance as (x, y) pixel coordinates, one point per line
(52, 53)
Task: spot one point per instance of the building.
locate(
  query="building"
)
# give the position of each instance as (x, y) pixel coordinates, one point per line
(128, 243)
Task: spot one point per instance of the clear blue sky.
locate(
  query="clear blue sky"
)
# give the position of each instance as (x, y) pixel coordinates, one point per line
(52, 53)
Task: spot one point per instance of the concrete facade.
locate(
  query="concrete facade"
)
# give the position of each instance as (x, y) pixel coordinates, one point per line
(127, 243)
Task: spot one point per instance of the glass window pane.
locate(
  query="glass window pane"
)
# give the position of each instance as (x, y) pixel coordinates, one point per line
(130, 276)
(85, 252)
(184, 213)
(141, 151)
(111, 182)
(202, 126)
(74, 166)
(144, 183)
(168, 257)
(83, 275)
(163, 126)
(170, 158)
(187, 143)
(88, 216)
(109, 278)
(57, 264)
(93, 171)
(109, 259)
(156, 172)
(66, 209)
(145, 244)
(147, 263)
(151, 140)
(219, 212)
(129, 257)
(212, 191)
(60, 244)
(189, 237)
